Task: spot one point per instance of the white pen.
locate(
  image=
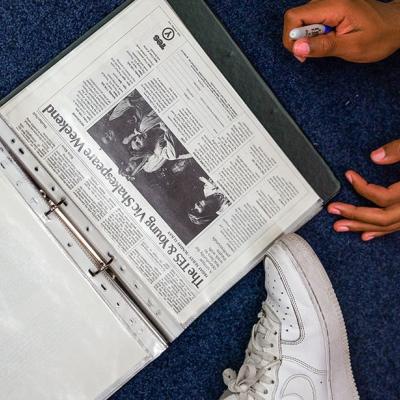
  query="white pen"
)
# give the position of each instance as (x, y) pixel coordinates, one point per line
(309, 31)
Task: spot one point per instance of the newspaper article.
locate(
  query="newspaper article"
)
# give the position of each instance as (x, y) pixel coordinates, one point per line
(166, 160)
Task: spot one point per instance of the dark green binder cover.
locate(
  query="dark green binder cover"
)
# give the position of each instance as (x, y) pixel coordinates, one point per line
(236, 68)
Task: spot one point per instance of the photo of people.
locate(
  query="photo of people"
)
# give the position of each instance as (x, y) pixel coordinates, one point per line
(151, 158)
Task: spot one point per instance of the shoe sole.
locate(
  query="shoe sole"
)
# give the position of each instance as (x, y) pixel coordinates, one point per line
(319, 286)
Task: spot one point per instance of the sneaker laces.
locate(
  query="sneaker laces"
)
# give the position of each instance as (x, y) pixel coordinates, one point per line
(251, 380)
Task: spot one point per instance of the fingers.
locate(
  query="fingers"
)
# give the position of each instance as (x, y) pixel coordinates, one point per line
(315, 12)
(374, 216)
(379, 195)
(388, 154)
(346, 225)
(318, 46)
(372, 222)
(367, 236)
(368, 231)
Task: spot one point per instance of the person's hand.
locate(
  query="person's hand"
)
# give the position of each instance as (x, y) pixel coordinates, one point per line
(378, 221)
(365, 30)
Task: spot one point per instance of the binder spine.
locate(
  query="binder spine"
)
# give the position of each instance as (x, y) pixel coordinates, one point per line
(97, 268)
(90, 240)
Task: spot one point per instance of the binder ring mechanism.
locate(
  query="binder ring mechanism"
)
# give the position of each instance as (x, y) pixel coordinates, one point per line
(103, 266)
(54, 207)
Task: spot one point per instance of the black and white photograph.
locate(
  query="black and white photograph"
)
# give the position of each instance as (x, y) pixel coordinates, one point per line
(151, 158)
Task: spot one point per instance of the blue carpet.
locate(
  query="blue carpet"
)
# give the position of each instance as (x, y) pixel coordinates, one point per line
(345, 109)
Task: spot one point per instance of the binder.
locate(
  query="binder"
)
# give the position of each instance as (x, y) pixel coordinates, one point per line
(81, 240)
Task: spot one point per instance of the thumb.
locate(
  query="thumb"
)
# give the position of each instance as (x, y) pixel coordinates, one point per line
(387, 154)
(318, 46)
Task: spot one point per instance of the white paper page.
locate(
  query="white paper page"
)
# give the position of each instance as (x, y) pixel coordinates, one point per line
(58, 339)
(201, 201)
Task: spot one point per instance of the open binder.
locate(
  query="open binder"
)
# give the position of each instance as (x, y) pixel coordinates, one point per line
(130, 317)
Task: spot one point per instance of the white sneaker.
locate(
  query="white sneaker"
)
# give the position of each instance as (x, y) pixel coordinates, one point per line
(298, 349)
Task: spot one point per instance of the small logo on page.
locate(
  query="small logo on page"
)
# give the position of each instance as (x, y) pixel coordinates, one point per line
(168, 33)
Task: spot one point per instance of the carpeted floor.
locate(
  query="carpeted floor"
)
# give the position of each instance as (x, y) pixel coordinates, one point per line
(345, 109)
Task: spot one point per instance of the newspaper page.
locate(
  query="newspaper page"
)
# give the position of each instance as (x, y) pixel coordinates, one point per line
(153, 144)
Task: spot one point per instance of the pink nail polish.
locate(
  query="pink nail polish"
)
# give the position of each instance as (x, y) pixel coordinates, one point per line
(349, 177)
(342, 229)
(301, 49)
(334, 211)
(367, 238)
(378, 155)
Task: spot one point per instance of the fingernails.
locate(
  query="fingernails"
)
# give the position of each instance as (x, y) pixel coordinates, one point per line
(378, 155)
(334, 211)
(349, 177)
(342, 229)
(301, 49)
(367, 238)
(301, 59)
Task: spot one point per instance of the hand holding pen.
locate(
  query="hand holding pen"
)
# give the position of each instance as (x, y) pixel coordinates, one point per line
(355, 30)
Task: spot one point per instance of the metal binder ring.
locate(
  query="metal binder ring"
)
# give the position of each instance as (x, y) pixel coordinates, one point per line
(103, 267)
(54, 207)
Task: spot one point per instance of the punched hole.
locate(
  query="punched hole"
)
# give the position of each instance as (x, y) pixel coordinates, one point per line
(12, 140)
(103, 287)
(21, 150)
(36, 169)
(69, 244)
